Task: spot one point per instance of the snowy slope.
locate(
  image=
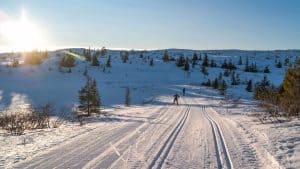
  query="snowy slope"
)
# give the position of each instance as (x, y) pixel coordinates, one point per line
(259, 145)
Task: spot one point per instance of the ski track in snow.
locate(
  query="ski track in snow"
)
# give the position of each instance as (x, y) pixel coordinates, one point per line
(191, 135)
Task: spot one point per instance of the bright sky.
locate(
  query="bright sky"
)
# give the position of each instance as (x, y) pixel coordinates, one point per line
(151, 24)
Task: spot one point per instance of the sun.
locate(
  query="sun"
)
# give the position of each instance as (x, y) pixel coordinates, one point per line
(21, 34)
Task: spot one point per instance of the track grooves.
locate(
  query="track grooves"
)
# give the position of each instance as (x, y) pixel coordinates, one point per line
(218, 135)
(166, 147)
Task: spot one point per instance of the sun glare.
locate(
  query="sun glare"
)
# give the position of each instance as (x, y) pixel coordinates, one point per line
(22, 35)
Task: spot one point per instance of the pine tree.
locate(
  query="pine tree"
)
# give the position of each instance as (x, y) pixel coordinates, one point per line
(67, 61)
(279, 64)
(108, 62)
(151, 63)
(249, 86)
(205, 60)
(180, 61)
(223, 87)
(166, 56)
(89, 99)
(215, 83)
(233, 79)
(224, 65)
(87, 54)
(95, 61)
(286, 61)
(266, 70)
(195, 57)
(127, 97)
(290, 91)
(247, 65)
(186, 65)
(240, 61)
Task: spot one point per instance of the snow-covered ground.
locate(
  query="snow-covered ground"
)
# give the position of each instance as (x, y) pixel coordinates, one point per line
(203, 132)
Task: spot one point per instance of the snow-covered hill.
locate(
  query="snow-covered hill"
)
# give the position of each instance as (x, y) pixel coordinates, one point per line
(205, 130)
(44, 83)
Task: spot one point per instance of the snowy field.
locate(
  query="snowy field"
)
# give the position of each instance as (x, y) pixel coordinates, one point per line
(204, 131)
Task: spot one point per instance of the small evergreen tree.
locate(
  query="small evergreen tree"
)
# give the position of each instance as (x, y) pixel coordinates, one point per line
(95, 61)
(87, 54)
(195, 57)
(127, 97)
(240, 61)
(180, 61)
(205, 60)
(223, 87)
(289, 95)
(266, 69)
(215, 83)
(279, 64)
(186, 65)
(233, 79)
(249, 86)
(151, 63)
(247, 65)
(67, 61)
(108, 61)
(224, 65)
(89, 97)
(166, 56)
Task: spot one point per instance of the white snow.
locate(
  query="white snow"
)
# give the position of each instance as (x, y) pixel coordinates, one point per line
(137, 133)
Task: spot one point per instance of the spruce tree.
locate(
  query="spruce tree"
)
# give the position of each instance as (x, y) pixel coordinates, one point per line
(95, 61)
(195, 57)
(205, 60)
(127, 97)
(89, 99)
(290, 91)
(151, 62)
(249, 86)
(247, 65)
(180, 61)
(108, 62)
(266, 69)
(240, 61)
(67, 61)
(186, 65)
(87, 54)
(166, 56)
(223, 87)
(233, 79)
(215, 83)
(279, 64)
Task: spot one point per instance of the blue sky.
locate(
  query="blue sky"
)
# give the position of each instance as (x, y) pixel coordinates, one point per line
(148, 24)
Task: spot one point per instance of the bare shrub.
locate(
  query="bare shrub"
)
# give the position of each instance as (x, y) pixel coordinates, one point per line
(17, 121)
